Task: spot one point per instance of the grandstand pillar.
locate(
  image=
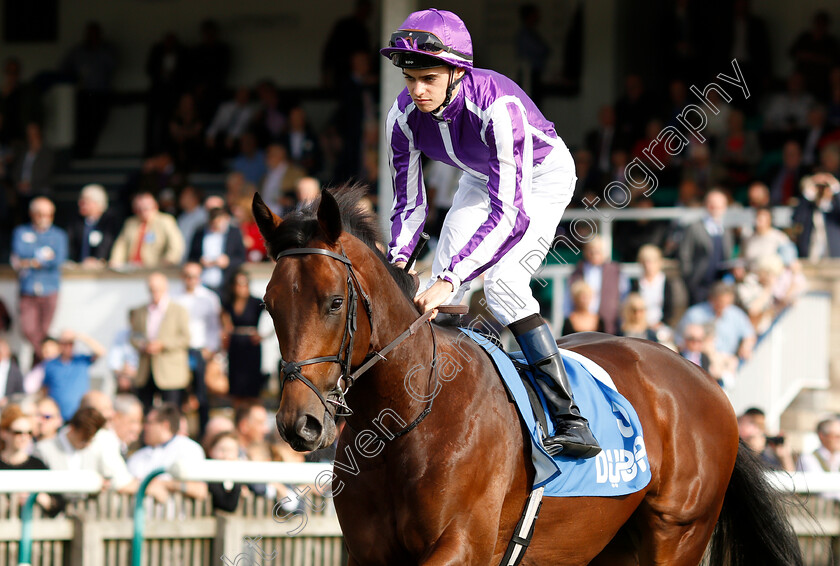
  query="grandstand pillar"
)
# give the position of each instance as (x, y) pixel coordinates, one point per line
(394, 12)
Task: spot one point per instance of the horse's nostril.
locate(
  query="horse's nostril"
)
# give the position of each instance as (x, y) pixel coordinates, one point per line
(308, 428)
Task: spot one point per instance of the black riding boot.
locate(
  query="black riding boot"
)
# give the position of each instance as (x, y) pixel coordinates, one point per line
(572, 436)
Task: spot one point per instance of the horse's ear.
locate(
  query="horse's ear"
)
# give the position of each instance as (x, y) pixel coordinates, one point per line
(266, 220)
(329, 217)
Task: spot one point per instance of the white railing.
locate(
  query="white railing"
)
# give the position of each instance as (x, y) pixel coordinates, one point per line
(790, 357)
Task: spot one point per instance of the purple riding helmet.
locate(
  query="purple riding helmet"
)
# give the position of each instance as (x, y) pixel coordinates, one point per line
(431, 38)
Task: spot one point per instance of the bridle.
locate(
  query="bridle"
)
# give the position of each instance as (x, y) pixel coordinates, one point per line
(335, 402)
(291, 370)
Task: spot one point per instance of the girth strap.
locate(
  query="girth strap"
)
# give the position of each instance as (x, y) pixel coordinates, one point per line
(524, 530)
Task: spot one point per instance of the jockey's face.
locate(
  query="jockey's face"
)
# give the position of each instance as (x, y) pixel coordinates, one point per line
(427, 87)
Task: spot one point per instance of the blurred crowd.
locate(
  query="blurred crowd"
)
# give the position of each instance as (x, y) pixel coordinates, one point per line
(197, 349)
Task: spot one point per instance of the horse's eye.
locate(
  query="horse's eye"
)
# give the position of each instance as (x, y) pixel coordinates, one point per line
(336, 304)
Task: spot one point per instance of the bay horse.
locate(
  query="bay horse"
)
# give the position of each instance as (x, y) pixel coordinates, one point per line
(433, 466)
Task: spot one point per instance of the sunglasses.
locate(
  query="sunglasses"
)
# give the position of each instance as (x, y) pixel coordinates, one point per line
(422, 41)
(21, 432)
(693, 339)
(47, 417)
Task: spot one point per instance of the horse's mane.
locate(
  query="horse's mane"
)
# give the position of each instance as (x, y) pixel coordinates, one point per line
(301, 226)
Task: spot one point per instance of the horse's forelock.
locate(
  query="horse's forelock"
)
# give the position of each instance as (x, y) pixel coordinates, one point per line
(301, 227)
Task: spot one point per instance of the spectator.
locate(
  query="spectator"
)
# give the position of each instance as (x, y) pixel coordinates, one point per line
(767, 240)
(756, 294)
(229, 123)
(251, 237)
(826, 458)
(694, 344)
(11, 378)
(33, 168)
(355, 117)
(240, 325)
(251, 159)
(307, 192)
(814, 53)
(747, 42)
(91, 235)
(606, 280)
(166, 66)
(784, 180)
(193, 214)
(237, 187)
(209, 66)
(532, 51)
(48, 418)
(787, 112)
(218, 248)
(581, 318)
(160, 331)
(303, 145)
(163, 448)
(738, 152)
(772, 450)
(16, 453)
(829, 160)
(632, 111)
(20, 104)
(758, 195)
(349, 34)
(39, 249)
(655, 288)
(91, 64)
(185, 134)
(123, 361)
(270, 121)
(128, 422)
(215, 426)
(705, 247)
(251, 421)
(816, 135)
(157, 173)
(34, 378)
(277, 189)
(602, 141)
(225, 495)
(816, 218)
(204, 310)
(67, 377)
(734, 335)
(150, 238)
(697, 167)
(634, 322)
(78, 447)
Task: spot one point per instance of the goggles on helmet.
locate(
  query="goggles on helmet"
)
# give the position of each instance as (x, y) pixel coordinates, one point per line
(422, 41)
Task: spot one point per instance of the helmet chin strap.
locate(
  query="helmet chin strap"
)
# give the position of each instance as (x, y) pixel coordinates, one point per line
(450, 87)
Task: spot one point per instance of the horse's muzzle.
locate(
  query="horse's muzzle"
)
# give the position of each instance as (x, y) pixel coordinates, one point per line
(306, 433)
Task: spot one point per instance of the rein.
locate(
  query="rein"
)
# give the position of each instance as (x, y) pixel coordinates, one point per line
(291, 371)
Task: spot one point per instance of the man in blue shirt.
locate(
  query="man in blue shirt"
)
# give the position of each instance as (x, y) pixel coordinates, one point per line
(38, 251)
(67, 377)
(734, 334)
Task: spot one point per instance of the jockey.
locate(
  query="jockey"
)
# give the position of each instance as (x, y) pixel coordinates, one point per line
(518, 178)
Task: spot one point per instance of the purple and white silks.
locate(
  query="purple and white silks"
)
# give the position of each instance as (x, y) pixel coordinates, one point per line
(493, 132)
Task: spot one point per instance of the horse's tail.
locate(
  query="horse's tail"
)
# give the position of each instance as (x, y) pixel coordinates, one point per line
(753, 526)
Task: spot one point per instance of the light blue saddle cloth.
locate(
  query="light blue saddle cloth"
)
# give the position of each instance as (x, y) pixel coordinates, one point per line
(622, 466)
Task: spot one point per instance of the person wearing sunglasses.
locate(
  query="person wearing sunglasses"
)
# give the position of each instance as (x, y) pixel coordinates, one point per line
(518, 178)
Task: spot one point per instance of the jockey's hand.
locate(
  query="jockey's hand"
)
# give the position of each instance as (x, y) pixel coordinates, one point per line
(434, 296)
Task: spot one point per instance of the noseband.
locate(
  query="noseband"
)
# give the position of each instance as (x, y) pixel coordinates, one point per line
(291, 370)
